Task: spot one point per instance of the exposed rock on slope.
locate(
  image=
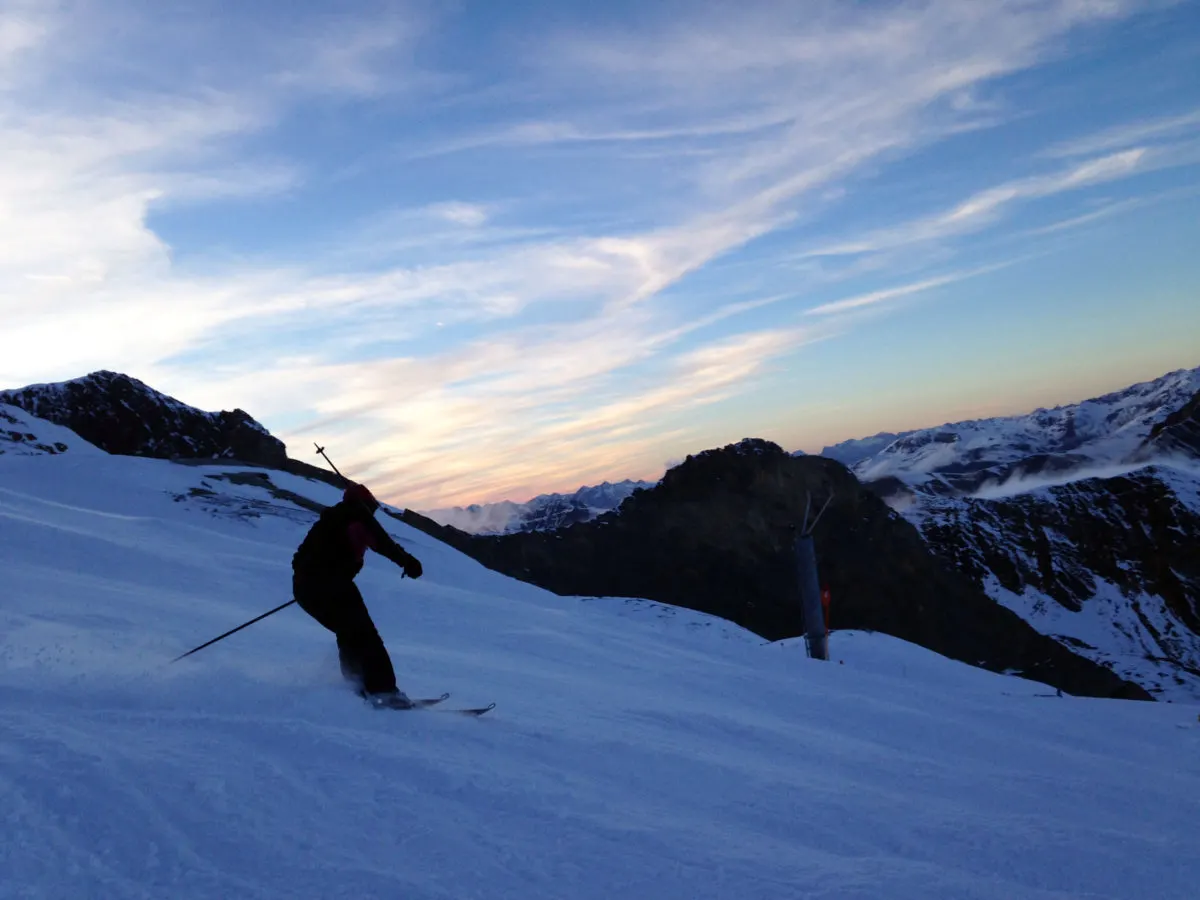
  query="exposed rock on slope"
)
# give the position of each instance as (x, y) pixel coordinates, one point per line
(715, 535)
(1177, 434)
(17, 438)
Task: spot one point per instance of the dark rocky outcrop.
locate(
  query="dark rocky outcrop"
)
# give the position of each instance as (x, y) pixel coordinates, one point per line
(1177, 435)
(1129, 530)
(122, 415)
(715, 535)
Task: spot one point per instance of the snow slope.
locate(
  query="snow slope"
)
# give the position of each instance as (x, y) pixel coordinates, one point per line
(24, 435)
(855, 450)
(637, 750)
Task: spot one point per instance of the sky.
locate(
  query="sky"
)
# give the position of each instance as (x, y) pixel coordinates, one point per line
(484, 251)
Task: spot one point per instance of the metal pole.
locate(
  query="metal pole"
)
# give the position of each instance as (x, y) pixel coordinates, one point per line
(321, 450)
(234, 630)
(815, 635)
(811, 528)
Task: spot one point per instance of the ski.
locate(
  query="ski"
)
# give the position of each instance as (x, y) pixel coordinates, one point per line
(391, 702)
(477, 711)
(427, 702)
(386, 701)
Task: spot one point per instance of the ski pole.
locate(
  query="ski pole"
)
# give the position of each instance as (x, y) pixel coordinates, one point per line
(234, 630)
(321, 450)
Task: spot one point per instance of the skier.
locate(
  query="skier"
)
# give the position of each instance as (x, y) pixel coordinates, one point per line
(324, 568)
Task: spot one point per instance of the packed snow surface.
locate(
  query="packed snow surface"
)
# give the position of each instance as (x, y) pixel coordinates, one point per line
(636, 751)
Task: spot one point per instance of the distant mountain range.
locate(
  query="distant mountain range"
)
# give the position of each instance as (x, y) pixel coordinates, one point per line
(1083, 521)
(1118, 428)
(954, 458)
(546, 512)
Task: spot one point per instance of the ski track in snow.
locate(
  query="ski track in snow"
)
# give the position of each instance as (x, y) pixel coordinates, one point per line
(637, 750)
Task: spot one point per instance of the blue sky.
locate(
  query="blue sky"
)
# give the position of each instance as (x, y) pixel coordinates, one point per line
(486, 250)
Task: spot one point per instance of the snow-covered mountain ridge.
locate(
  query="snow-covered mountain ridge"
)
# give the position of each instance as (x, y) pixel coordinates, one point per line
(636, 750)
(962, 456)
(955, 457)
(1084, 520)
(122, 415)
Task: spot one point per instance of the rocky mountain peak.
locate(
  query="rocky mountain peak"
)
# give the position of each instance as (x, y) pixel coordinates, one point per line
(734, 466)
(124, 416)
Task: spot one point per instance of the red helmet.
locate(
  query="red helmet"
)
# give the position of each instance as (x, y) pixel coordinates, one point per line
(358, 493)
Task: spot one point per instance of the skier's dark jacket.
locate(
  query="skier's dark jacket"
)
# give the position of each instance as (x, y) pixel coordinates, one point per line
(335, 545)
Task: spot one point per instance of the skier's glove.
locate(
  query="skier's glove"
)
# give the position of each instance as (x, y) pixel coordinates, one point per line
(412, 567)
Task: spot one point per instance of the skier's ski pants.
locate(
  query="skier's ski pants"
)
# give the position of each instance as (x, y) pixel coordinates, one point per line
(338, 605)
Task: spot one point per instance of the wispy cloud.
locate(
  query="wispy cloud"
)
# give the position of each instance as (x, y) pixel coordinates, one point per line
(1018, 484)
(75, 193)
(1106, 211)
(359, 55)
(810, 87)
(876, 298)
(1110, 209)
(587, 425)
(986, 207)
(1129, 134)
(536, 132)
(22, 28)
(471, 215)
